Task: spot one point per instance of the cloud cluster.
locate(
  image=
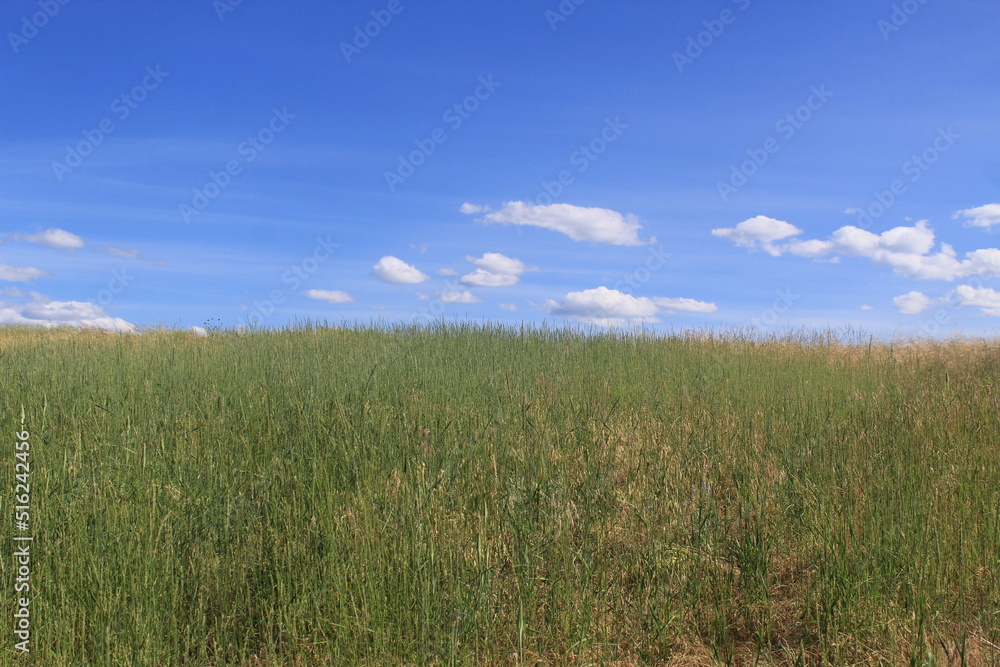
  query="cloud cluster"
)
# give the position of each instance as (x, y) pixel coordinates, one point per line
(967, 296)
(42, 311)
(611, 308)
(906, 250)
(599, 225)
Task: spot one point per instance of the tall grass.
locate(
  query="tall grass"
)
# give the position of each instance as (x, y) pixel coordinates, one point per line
(479, 495)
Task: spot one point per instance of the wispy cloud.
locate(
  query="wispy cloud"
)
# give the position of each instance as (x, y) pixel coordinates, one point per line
(128, 253)
(329, 295)
(132, 253)
(17, 274)
(599, 225)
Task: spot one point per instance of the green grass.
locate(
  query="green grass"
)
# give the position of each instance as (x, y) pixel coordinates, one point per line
(469, 495)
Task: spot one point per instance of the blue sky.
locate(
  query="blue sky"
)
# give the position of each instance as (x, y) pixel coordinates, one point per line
(693, 164)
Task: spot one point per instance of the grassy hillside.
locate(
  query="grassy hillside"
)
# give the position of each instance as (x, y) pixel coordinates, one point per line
(480, 495)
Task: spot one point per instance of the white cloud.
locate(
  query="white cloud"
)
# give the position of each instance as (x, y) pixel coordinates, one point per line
(495, 262)
(865, 306)
(985, 261)
(611, 308)
(53, 238)
(988, 300)
(687, 305)
(852, 240)
(759, 232)
(508, 306)
(981, 216)
(918, 240)
(329, 295)
(455, 296)
(599, 225)
(603, 306)
(472, 209)
(447, 272)
(41, 311)
(906, 250)
(17, 274)
(481, 278)
(198, 331)
(495, 270)
(912, 303)
(394, 270)
(921, 267)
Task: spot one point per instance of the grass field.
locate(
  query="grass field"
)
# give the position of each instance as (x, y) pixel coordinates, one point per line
(469, 495)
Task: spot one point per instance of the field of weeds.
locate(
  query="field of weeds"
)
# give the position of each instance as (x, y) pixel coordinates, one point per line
(481, 495)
